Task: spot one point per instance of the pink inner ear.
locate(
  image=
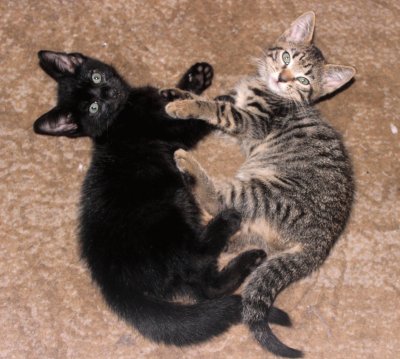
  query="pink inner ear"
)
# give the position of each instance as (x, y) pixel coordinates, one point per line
(335, 76)
(301, 30)
(63, 123)
(64, 62)
(67, 63)
(299, 33)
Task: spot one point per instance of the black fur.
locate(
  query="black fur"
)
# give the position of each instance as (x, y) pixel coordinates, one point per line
(140, 229)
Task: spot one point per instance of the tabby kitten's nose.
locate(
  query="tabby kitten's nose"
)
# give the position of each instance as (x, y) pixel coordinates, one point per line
(285, 76)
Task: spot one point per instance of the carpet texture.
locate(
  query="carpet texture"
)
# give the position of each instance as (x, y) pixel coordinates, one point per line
(48, 306)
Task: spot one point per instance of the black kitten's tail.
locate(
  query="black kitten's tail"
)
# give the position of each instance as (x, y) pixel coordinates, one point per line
(178, 324)
(184, 324)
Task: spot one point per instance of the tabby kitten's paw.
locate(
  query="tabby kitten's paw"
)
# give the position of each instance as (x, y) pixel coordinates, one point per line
(183, 109)
(172, 94)
(186, 163)
(197, 78)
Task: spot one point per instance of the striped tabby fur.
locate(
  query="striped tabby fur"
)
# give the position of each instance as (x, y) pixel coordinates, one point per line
(295, 189)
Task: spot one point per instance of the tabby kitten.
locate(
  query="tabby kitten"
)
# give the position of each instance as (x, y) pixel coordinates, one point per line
(140, 228)
(295, 189)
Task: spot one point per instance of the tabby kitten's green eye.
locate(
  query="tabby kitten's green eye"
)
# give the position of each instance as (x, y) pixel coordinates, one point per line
(303, 80)
(286, 58)
(96, 77)
(94, 107)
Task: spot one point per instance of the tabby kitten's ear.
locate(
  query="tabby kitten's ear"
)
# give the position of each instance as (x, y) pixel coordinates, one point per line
(60, 64)
(335, 76)
(57, 122)
(301, 30)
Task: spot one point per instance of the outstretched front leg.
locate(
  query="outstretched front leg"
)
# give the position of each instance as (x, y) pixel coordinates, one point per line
(173, 94)
(195, 80)
(224, 115)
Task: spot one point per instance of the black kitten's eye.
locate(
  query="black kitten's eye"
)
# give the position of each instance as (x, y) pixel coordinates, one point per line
(96, 77)
(94, 107)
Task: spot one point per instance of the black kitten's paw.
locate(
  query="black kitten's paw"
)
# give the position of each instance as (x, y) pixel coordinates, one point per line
(233, 219)
(254, 258)
(222, 226)
(198, 78)
(173, 94)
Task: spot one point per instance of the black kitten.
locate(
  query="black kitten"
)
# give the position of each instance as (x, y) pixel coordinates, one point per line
(140, 229)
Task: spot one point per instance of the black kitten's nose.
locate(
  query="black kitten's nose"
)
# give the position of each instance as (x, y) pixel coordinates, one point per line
(112, 92)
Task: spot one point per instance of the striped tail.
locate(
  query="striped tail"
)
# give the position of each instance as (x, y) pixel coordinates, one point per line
(264, 285)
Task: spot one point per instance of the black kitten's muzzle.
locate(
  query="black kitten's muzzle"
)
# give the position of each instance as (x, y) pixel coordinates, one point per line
(113, 93)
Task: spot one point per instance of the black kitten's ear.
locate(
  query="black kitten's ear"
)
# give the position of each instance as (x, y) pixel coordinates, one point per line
(57, 122)
(59, 64)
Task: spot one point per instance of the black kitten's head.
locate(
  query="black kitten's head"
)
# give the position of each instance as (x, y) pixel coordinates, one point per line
(90, 95)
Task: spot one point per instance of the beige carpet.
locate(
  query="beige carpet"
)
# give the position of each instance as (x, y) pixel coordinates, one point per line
(48, 305)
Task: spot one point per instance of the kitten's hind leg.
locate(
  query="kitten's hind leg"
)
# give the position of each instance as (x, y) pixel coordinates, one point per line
(218, 231)
(197, 79)
(216, 283)
(204, 187)
(214, 194)
(226, 281)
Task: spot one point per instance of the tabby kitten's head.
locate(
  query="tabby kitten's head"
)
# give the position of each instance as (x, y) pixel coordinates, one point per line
(90, 95)
(294, 68)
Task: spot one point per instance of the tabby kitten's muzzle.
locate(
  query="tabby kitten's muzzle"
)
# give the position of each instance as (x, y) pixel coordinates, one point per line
(285, 76)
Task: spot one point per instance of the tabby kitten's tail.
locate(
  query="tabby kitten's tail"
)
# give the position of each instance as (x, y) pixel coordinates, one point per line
(267, 281)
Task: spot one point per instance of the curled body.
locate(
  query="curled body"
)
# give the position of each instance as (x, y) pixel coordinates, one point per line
(295, 188)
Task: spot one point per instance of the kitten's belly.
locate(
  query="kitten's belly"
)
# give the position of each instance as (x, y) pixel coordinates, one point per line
(260, 233)
(255, 167)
